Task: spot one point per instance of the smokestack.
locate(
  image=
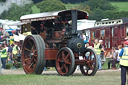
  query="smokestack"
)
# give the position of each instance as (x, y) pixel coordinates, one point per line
(74, 20)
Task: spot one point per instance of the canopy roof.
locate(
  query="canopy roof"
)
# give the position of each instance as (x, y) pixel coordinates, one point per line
(18, 24)
(52, 15)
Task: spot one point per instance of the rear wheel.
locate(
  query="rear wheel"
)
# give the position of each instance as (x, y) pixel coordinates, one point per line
(65, 62)
(33, 54)
(91, 60)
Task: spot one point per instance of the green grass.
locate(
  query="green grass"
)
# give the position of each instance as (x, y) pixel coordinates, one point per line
(105, 66)
(101, 78)
(123, 6)
(104, 77)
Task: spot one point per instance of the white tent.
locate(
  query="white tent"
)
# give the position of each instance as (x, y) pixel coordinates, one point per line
(84, 24)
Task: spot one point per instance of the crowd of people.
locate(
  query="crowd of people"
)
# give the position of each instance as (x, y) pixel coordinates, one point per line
(10, 54)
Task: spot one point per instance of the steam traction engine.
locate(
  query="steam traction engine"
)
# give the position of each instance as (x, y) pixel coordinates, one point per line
(59, 47)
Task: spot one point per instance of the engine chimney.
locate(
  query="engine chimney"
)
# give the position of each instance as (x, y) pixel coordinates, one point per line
(74, 20)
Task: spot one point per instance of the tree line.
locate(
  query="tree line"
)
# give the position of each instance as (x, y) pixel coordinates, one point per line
(97, 9)
(65, 1)
(73, 1)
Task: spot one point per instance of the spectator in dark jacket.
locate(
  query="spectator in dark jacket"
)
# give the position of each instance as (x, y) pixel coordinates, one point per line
(10, 53)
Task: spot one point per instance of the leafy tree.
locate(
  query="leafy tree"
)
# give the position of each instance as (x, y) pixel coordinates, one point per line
(36, 1)
(81, 7)
(64, 1)
(100, 4)
(51, 5)
(115, 14)
(2, 0)
(85, 8)
(73, 1)
(101, 9)
(15, 12)
(117, 0)
(97, 14)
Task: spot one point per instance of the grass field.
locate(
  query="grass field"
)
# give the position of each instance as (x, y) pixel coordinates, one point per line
(101, 78)
(50, 77)
(123, 6)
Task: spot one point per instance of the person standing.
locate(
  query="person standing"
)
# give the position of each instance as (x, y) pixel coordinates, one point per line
(3, 56)
(117, 58)
(119, 50)
(124, 62)
(10, 53)
(102, 52)
(15, 51)
(97, 48)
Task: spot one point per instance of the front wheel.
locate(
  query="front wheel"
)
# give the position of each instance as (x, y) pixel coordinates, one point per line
(91, 60)
(65, 62)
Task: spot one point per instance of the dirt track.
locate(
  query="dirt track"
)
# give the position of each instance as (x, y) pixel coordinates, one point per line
(5, 72)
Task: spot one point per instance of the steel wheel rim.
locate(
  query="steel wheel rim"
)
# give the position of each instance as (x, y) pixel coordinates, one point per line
(63, 62)
(29, 55)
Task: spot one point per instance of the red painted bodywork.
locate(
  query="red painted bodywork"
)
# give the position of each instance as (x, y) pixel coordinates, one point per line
(50, 54)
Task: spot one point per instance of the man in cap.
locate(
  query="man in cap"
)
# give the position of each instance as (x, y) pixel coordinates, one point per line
(124, 62)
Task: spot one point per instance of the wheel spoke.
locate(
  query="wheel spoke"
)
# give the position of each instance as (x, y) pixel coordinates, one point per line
(30, 65)
(34, 49)
(66, 56)
(27, 49)
(27, 62)
(34, 66)
(62, 66)
(91, 61)
(34, 55)
(66, 68)
(27, 59)
(67, 62)
(63, 55)
(30, 43)
(91, 67)
(35, 60)
(59, 60)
